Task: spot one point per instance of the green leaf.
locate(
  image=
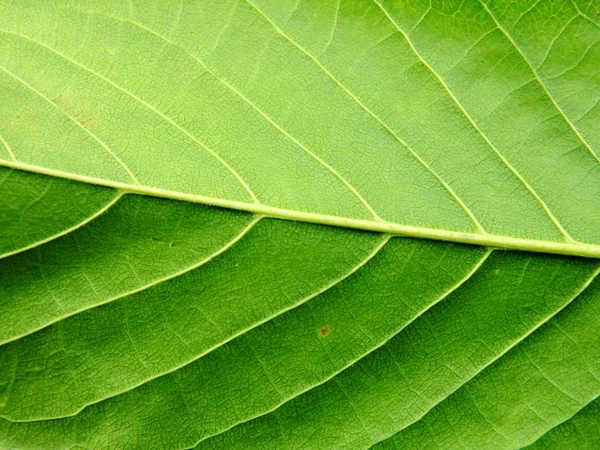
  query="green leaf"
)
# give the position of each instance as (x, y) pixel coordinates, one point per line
(299, 224)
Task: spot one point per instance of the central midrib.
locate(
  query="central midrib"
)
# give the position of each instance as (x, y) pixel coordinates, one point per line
(488, 240)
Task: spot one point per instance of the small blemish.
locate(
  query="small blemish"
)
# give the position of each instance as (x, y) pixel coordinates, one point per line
(323, 331)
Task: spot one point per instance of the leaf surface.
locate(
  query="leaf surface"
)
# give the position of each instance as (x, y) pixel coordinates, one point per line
(213, 218)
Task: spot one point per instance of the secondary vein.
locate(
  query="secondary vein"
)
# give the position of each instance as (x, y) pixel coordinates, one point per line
(239, 94)
(510, 167)
(78, 225)
(145, 104)
(72, 119)
(443, 296)
(142, 287)
(376, 249)
(514, 344)
(10, 152)
(348, 92)
(539, 80)
(571, 417)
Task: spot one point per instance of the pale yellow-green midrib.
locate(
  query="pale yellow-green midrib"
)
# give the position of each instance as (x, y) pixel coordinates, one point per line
(489, 240)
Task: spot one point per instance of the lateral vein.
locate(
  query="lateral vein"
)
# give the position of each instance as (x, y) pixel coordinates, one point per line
(386, 127)
(539, 80)
(10, 152)
(376, 249)
(78, 225)
(142, 102)
(238, 93)
(444, 295)
(571, 417)
(72, 119)
(144, 287)
(506, 163)
(514, 344)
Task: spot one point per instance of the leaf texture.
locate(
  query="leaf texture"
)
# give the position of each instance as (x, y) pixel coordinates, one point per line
(212, 219)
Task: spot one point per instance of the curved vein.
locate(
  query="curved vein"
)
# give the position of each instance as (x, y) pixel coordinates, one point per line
(415, 155)
(518, 341)
(209, 258)
(384, 240)
(75, 121)
(5, 177)
(229, 86)
(577, 63)
(335, 22)
(539, 80)
(482, 239)
(145, 104)
(510, 167)
(556, 38)
(562, 422)
(449, 291)
(78, 225)
(10, 152)
(585, 16)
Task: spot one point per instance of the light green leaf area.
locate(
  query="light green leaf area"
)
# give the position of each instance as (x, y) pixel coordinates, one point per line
(297, 224)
